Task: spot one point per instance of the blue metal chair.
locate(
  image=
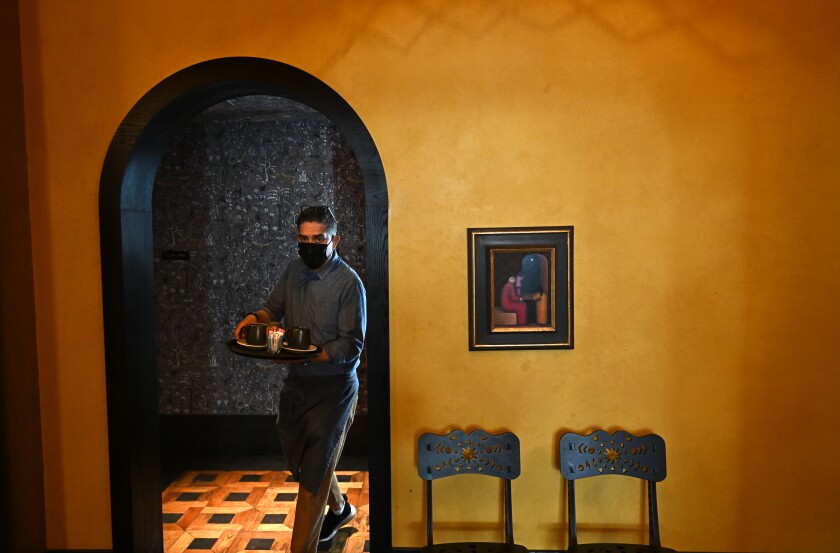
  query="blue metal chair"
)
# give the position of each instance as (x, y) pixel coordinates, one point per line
(623, 454)
(458, 453)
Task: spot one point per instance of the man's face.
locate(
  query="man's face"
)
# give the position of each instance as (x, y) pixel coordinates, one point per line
(310, 232)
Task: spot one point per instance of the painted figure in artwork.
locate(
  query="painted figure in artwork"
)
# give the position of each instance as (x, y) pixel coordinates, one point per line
(512, 302)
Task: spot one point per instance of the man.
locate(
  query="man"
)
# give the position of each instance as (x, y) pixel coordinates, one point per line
(318, 400)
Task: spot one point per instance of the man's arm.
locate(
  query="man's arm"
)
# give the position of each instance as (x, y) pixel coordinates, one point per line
(352, 323)
(273, 310)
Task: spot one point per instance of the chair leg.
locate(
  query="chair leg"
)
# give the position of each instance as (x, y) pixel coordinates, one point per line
(429, 538)
(653, 515)
(570, 490)
(508, 514)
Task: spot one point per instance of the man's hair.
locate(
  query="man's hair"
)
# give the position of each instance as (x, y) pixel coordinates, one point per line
(319, 214)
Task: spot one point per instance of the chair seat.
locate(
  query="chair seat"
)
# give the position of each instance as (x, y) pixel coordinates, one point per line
(618, 548)
(474, 547)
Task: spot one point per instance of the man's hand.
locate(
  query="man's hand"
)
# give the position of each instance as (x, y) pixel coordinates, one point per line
(249, 319)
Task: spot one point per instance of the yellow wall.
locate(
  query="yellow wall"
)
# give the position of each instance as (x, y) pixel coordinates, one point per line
(693, 145)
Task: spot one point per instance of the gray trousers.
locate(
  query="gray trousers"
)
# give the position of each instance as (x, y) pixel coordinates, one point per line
(312, 423)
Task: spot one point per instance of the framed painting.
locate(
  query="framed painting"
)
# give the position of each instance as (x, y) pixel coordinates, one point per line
(520, 288)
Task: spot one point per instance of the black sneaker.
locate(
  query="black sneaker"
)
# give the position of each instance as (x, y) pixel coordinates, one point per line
(332, 521)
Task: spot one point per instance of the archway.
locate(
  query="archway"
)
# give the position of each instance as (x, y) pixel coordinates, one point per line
(125, 212)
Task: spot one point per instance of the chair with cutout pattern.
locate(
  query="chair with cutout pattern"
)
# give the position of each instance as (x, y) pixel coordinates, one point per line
(601, 453)
(480, 453)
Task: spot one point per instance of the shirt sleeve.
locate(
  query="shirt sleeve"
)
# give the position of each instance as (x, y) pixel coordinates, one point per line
(352, 324)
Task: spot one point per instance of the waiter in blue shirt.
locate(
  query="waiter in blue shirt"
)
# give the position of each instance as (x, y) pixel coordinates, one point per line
(321, 292)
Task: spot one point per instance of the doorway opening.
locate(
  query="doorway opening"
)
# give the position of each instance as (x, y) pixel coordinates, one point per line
(127, 244)
(226, 195)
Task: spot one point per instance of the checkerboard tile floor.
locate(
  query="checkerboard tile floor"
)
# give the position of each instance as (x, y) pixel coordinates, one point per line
(253, 511)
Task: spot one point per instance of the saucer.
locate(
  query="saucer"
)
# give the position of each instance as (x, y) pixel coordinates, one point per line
(247, 345)
(311, 347)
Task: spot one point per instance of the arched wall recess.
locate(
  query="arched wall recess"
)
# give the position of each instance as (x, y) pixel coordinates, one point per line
(125, 213)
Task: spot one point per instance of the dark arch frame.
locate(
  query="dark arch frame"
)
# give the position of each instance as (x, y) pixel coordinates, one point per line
(125, 215)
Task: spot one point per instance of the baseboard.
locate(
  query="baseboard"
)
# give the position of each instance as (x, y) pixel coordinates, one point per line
(417, 550)
(218, 434)
(393, 550)
(204, 435)
(79, 551)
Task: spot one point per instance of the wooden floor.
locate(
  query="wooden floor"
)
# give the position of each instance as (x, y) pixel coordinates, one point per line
(233, 511)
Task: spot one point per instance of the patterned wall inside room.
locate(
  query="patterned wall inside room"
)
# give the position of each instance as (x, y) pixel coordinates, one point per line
(226, 197)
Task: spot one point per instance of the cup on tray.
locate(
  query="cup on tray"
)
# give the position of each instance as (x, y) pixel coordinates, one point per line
(255, 334)
(298, 338)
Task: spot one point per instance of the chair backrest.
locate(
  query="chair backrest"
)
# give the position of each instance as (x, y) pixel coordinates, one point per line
(621, 453)
(458, 453)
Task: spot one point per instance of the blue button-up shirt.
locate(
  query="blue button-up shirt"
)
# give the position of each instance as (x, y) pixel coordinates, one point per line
(330, 302)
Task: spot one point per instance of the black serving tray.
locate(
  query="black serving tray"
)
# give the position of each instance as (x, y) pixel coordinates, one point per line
(261, 353)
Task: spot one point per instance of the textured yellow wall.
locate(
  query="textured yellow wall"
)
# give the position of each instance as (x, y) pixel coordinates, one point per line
(693, 145)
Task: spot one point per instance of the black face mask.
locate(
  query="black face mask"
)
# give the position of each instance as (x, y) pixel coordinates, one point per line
(313, 255)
